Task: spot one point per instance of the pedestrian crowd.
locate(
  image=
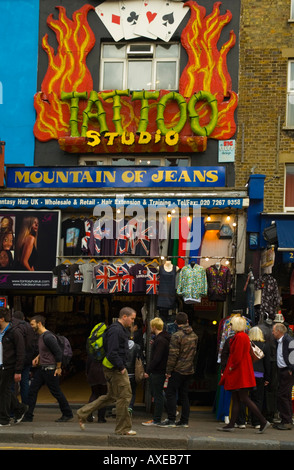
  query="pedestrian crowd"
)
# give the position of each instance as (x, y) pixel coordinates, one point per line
(30, 357)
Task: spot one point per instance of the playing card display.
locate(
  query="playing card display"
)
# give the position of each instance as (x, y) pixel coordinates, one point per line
(130, 12)
(148, 13)
(168, 19)
(109, 14)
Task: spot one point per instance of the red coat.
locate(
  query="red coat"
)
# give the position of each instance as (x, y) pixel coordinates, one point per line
(239, 371)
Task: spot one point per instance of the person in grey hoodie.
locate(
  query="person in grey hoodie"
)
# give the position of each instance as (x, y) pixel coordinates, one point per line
(179, 371)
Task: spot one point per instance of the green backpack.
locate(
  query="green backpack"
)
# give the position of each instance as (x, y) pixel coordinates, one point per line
(94, 343)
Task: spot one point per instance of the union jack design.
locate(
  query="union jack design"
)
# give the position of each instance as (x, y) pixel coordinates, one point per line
(152, 283)
(86, 238)
(101, 277)
(128, 279)
(115, 280)
(142, 239)
(122, 239)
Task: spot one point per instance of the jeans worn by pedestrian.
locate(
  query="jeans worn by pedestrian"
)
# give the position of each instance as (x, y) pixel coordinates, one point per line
(178, 387)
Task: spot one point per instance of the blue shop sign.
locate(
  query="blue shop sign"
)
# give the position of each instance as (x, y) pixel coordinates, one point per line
(116, 177)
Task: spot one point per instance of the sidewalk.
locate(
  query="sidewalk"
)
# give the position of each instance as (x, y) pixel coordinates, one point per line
(201, 434)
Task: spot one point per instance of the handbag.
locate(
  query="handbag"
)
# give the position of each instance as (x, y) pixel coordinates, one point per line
(255, 352)
(139, 370)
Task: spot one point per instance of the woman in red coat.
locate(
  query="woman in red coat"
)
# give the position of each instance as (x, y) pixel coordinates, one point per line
(238, 376)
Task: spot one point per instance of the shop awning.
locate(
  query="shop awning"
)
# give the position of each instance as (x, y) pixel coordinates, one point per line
(285, 233)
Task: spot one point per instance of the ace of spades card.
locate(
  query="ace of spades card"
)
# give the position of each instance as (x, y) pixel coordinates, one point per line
(149, 12)
(130, 13)
(168, 19)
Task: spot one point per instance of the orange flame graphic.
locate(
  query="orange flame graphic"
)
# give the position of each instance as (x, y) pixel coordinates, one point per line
(207, 66)
(67, 71)
(206, 70)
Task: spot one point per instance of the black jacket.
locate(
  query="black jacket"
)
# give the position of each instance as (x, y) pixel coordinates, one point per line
(159, 353)
(115, 341)
(13, 349)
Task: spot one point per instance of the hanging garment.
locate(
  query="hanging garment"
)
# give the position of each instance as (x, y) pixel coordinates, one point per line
(87, 271)
(270, 297)
(152, 281)
(100, 279)
(140, 272)
(72, 232)
(85, 243)
(122, 242)
(167, 288)
(63, 279)
(115, 278)
(219, 282)
(192, 284)
(128, 279)
(76, 278)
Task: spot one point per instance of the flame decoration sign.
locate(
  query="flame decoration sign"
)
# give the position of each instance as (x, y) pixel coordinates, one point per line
(205, 83)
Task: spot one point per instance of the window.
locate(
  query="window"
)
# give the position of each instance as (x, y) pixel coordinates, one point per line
(140, 66)
(289, 187)
(290, 95)
(132, 161)
(292, 10)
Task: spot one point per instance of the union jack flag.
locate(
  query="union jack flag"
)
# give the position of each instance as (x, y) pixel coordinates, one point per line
(86, 238)
(142, 240)
(128, 279)
(101, 278)
(122, 238)
(115, 280)
(97, 235)
(152, 282)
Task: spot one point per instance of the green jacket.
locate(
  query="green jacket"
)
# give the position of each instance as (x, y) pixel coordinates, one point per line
(182, 350)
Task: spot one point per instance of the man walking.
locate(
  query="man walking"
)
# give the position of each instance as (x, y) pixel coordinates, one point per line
(115, 343)
(12, 356)
(48, 370)
(285, 376)
(179, 371)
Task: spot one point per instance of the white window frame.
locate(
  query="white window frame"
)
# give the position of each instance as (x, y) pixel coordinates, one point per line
(148, 56)
(143, 161)
(290, 94)
(292, 11)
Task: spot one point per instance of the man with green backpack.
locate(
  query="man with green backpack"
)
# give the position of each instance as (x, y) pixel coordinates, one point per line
(115, 344)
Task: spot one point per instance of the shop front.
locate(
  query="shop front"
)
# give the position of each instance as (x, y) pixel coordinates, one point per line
(133, 188)
(99, 249)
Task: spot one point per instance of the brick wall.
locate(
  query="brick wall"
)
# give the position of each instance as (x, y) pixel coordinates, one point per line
(265, 34)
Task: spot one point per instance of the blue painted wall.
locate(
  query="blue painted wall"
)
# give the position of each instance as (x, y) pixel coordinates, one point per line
(19, 26)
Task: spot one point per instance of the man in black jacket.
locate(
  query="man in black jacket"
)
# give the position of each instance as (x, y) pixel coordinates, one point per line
(115, 342)
(285, 375)
(12, 355)
(156, 368)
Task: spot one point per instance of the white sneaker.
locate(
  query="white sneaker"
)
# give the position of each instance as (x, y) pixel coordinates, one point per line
(130, 433)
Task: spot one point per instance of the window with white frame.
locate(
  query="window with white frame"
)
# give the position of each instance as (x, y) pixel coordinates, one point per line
(290, 95)
(289, 187)
(139, 66)
(133, 161)
(292, 10)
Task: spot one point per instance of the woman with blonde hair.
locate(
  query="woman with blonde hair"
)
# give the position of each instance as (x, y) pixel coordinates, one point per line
(26, 245)
(238, 376)
(262, 371)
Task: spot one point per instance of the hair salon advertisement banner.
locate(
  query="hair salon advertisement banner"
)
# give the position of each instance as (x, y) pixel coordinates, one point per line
(28, 248)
